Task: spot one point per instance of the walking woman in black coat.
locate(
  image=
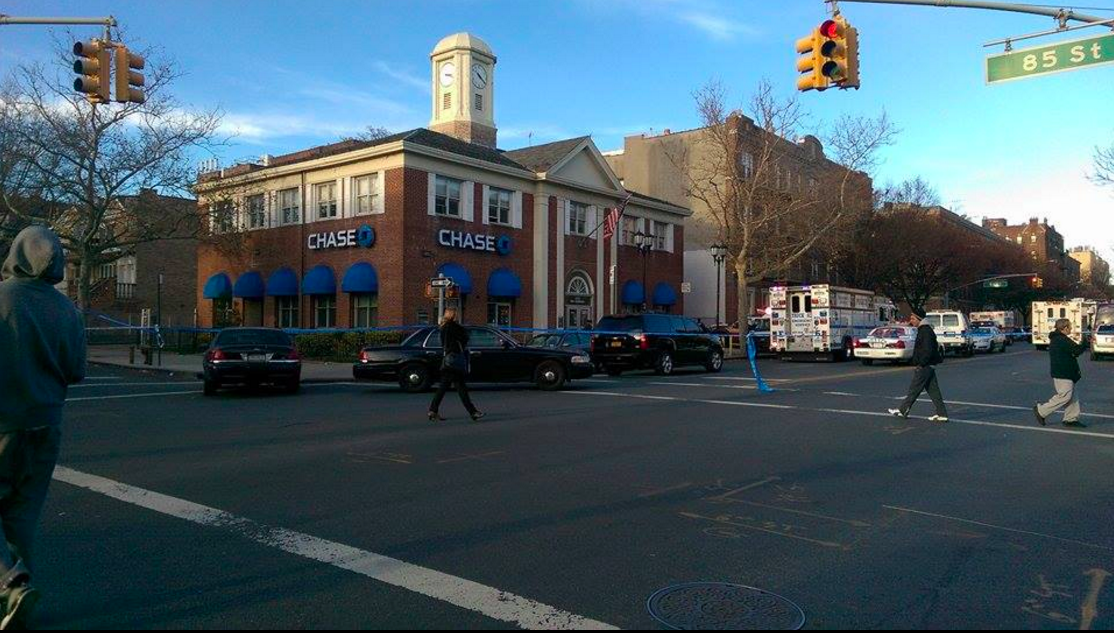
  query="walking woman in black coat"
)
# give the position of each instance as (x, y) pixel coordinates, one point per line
(454, 367)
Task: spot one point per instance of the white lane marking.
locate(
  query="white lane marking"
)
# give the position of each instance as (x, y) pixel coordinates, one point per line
(877, 414)
(184, 383)
(840, 393)
(489, 601)
(997, 527)
(134, 395)
(701, 384)
(748, 379)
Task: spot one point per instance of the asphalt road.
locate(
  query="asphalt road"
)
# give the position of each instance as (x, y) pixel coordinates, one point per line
(342, 507)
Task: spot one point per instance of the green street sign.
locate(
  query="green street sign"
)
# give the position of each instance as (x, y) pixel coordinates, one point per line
(997, 283)
(1053, 58)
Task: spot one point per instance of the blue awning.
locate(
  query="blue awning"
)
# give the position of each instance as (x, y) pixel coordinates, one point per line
(320, 280)
(633, 293)
(219, 286)
(664, 295)
(360, 277)
(459, 276)
(504, 283)
(282, 283)
(249, 286)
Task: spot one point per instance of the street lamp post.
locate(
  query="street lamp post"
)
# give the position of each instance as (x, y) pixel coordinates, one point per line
(719, 255)
(644, 243)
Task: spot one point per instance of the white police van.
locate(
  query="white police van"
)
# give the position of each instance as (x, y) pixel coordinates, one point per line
(822, 322)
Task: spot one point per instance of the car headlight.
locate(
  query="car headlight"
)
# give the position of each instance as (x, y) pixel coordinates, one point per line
(582, 360)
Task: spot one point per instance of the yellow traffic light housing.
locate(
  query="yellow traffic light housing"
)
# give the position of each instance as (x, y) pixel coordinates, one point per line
(810, 66)
(92, 65)
(852, 45)
(128, 82)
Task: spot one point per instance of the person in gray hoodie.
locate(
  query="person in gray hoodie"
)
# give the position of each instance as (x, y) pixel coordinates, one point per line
(42, 353)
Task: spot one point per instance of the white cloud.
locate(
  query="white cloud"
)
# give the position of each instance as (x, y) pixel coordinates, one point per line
(403, 77)
(260, 128)
(1080, 210)
(717, 26)
(711, 17)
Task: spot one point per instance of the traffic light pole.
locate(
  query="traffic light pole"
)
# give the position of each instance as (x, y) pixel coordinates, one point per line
(1064, 15)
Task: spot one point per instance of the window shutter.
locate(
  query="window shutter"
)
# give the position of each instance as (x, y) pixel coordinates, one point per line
(669, 237)
(380, 190)
(516, 209)
(563, 214)
(592, 221)
(432, 194)
(339, 197)
(484, 204)
(467, 193)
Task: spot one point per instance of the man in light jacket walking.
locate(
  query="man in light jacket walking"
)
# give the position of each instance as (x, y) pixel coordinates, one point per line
(42, 352)
(1064, 354)
(926, 355)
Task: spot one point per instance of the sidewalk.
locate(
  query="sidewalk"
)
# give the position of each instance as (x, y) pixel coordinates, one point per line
(190, 364)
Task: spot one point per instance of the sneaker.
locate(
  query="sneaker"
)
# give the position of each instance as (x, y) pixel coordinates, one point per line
(1040, 418)
(478, 415)
(938, 418)
(18, 606)
(1075, 424)
(898, 414)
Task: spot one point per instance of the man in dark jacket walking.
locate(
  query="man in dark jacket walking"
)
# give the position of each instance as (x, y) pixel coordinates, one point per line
(926, 355)
(1064, 354)
(42, 352)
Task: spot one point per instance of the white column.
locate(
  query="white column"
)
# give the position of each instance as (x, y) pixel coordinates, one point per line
(601, 276)
(562, 223)
(541, 261)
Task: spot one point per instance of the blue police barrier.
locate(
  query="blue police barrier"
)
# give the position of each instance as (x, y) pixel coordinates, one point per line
(752, 354)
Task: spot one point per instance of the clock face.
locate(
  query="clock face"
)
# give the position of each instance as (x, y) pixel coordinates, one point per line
(448, 74)
(479, 76)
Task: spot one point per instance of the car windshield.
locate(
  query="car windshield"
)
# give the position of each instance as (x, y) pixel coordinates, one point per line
(545, 340)
(1106, 329)
(942, 320)
(416, 339)
(620, 324)
(235, 338)
(982, 331)
(888, 332)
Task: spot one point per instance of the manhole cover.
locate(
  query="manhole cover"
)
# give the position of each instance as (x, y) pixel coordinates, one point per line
(719, 606)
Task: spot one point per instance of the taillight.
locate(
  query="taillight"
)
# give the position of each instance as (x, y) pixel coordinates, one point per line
(859, 343)
(215, 354)
(643, 341)
(897, 345)
(294, 355)
(363, 356)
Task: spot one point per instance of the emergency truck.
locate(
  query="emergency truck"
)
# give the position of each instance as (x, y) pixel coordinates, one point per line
(1080, 312)
(821, 322)
(1003, 319)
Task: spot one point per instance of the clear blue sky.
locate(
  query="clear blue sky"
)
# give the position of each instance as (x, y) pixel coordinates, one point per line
(294, 74)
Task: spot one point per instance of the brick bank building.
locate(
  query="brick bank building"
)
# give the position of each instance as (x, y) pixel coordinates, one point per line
(349, 234)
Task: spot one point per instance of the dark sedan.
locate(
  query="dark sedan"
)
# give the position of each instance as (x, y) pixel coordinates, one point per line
(252, 356)
(416, 363)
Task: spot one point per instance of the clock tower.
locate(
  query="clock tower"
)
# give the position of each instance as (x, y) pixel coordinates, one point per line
(463, 69)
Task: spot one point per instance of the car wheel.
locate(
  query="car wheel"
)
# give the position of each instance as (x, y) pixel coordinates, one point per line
(868, 362)
(613, 371)
(848, 350)
(211, 387)
(715, 362)
(414, 378)
(664, 364)
(551, 376)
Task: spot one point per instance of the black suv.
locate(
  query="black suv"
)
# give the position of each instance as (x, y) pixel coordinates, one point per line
(661, 342)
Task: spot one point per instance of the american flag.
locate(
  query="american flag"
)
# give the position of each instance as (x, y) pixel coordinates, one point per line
(613, 217)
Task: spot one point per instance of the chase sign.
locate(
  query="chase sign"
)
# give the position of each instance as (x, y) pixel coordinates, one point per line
(475, 242)
(363, 237)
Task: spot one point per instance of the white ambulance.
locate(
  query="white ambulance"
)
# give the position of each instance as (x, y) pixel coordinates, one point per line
(1002, 319)
(1080, 312)
(822, 322)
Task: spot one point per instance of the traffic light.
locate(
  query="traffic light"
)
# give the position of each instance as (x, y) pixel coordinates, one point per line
(92, 66)
(1037, 282)
(810, 65)
(830, 56)
(128, 83)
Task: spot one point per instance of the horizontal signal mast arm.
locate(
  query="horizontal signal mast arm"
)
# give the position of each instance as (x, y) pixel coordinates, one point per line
(1066, 14)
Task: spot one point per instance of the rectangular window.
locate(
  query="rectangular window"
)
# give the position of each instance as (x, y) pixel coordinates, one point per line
(446, 200)
(325, 311)
(223, 218)
(630, 227)
(499, 314)
(746, 164)
(257, 212)
(365, 190)
(578, 218)
(447, 101)
(499, 206)
(658, 231)
(365, 310)
(289, 207)
(325, 195)
(286, 311)
(479, 102)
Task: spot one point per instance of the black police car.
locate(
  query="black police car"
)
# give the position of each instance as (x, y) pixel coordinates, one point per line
(661, 342)
(252, 356)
